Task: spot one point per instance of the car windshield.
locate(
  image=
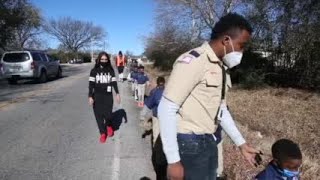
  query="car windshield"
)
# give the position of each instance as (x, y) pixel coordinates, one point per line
(16, 57)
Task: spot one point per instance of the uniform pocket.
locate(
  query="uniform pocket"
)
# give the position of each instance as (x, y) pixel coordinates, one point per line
(189, 146)
(213, 79)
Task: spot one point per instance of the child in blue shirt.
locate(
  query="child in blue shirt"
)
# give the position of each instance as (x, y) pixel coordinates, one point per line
(132, 79)
(286, 163)
(158, 158)
(142, 82)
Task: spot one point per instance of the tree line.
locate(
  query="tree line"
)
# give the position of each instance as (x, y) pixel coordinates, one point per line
(22, 26)
(285, 46)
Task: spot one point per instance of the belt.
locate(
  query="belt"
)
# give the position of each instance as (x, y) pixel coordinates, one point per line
(196, 136)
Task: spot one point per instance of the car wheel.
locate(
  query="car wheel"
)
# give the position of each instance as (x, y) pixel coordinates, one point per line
(43, 77)
(59, 74)
(12, 81)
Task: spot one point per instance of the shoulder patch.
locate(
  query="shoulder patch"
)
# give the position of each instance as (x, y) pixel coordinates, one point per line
(194, 53)
(190, 56)
(186, 59)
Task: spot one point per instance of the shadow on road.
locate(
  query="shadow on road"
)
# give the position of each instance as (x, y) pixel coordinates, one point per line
(49, 80)
(145, 178)
(117, 119)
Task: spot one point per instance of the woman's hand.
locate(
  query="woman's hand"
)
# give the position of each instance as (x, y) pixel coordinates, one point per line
(118, 98)
(91, 101)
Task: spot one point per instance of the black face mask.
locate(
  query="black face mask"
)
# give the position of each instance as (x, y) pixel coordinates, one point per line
(104, 64)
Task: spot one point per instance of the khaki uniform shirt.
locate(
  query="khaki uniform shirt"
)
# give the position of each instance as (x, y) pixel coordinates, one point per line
(195, 84)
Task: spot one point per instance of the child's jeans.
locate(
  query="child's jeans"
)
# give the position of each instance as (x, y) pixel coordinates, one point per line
(133, 86)
(141, 91)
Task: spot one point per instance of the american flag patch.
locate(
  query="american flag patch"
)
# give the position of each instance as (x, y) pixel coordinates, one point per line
(186, 59)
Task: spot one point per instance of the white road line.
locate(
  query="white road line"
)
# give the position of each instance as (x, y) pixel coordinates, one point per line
(116, 159)
(117, 149)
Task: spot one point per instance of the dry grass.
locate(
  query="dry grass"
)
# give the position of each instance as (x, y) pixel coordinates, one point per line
(154, 73)
(269, 114)
(278, 113)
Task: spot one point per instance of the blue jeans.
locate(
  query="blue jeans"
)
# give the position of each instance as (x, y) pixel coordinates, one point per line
(199, 156)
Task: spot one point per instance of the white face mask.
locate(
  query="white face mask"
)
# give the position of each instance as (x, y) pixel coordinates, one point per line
(233, 58)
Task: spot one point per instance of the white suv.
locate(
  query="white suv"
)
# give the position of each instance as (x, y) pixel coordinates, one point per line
(29, 65)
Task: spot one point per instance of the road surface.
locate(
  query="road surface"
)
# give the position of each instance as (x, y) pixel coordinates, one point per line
(48, 132)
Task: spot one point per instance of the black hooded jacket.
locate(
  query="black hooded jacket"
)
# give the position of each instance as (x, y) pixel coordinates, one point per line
(102, 80)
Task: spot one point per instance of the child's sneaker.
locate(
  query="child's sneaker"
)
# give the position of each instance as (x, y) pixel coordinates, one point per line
(110, 131)
(103, 138)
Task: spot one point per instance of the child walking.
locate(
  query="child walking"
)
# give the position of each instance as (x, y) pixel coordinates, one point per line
(142, 82)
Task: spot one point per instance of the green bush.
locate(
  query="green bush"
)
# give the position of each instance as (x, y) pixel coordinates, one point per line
(252, 70)
(65, 57)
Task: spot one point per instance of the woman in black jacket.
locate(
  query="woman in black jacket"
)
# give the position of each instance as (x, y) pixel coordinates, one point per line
(101, 81)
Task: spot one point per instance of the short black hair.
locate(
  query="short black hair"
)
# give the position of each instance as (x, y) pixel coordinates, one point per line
(230, 24)
(120, 52)
(161, 80)
(141, 67)
(285, 149)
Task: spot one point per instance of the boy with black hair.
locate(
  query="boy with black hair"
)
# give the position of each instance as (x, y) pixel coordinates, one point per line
(158, 158)
(132, 79)
(142, 82)
(286, 163)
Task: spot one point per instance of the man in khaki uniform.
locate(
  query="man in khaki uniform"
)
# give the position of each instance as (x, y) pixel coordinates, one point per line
(192, 104)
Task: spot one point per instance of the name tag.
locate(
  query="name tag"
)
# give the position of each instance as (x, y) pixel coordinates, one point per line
(109, 89)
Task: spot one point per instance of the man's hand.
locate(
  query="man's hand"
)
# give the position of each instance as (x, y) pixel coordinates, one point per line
(175, 171)
(91, 101)
(249, 153)
(118, 99)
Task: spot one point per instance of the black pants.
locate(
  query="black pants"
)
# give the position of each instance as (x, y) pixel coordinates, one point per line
(120, 69)
(159, 160)
(161, 171)
(103, 104)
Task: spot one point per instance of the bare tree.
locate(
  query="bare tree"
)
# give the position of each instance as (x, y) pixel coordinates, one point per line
(15, 15)
(182, 25)
(74, 34)
(201, 14)
(27, 34)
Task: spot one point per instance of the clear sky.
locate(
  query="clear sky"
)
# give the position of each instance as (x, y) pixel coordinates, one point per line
(126, 21)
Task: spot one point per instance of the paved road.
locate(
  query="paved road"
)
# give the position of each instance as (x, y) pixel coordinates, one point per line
(51, 133)
(14, 92)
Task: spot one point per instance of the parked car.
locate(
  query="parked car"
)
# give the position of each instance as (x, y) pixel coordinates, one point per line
(75, 61)
(1, 72)
(38, 65)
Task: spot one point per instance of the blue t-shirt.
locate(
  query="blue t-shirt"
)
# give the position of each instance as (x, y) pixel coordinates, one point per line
(273, 173)
(141, 78)
(133, 75)
(153, 100)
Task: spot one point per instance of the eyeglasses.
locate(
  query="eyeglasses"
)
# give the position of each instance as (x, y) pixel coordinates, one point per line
(104, 59)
